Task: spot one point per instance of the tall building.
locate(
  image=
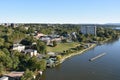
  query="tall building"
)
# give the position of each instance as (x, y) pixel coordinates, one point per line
(88, 30)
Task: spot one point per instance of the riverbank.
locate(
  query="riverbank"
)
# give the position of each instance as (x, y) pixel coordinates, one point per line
(104, 41)
(82, 51)
(73, 54)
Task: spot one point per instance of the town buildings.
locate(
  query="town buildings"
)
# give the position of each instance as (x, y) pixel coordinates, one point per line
(88, 30)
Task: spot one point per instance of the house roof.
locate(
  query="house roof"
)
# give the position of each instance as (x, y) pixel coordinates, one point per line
(14, 74)
(29, 50)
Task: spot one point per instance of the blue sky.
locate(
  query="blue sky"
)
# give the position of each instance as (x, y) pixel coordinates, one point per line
(60, 11)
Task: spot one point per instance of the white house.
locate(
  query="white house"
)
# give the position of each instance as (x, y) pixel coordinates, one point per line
(4, 78)
(31, 52)
(18, 47)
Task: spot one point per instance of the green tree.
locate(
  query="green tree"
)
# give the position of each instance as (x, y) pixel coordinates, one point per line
(15, 62)
(35, 64)
(5, 60)
(59, 57)
(6, 51)
(21, 29)
(28, 40)
(8, 31)
(15, 37)
(15, 59)
(7, 45)
(23, 62)
(41, 47)
(42, 64)
(30, 30)
(2, 69)
(1, 42)
(32, 63)
(28, 75)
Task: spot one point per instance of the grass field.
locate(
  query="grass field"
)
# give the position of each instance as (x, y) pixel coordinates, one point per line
(62, 46)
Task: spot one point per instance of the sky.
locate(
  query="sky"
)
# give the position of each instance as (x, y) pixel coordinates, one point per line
(60, 11)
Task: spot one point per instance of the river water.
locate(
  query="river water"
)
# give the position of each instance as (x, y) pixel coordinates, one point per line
(79, 67)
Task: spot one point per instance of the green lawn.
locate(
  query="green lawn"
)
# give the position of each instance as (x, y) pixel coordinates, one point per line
(62, 46)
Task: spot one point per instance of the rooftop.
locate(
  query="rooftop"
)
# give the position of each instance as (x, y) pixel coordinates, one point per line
(14, 74)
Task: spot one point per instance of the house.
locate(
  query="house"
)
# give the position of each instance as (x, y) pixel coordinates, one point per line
(4, 78)
(50, 63)
(18, 47)
(39, 35)
(46, 39)
(26, 27)
(55, 37)
(31, 52)
(14, 75)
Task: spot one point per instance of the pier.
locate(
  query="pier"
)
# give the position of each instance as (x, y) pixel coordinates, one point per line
(98, 56)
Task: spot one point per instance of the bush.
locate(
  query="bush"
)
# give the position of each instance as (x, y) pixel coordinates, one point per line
(54, 43)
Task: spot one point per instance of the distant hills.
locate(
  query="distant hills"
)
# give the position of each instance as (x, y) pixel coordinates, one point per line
(116, 24)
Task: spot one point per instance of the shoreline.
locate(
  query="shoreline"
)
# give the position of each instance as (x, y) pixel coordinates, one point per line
(77, 53)
(81, 52)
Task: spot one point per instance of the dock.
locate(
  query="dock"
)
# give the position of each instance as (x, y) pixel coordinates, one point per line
(98, 56)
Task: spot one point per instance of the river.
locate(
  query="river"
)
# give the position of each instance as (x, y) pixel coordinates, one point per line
(79, 67)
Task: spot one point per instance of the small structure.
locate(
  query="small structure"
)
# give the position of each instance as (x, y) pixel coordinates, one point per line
(31, 52)
(40, 72)
(18, 47)
(51, 54)
(4, 78)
